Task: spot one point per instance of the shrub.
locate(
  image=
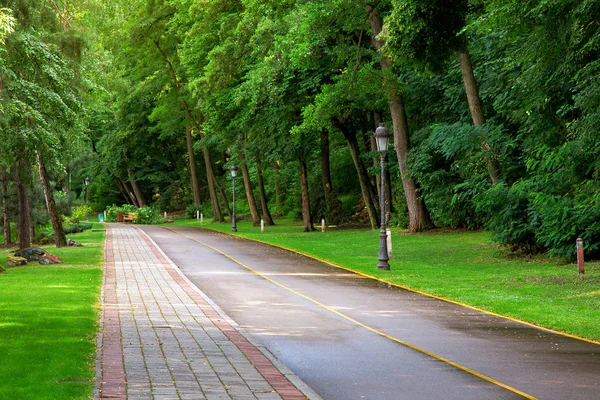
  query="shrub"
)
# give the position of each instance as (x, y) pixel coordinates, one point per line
(78, 213)
(111, 211)
(190, 211)
(76, 228)
(513, 220)
(148, 215)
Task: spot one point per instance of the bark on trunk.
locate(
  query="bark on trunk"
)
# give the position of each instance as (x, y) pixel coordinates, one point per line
(130, 194)
(264, 205)
(306, 215)
(192, 165)
(211, 178)
(419, 219)
(224, 196)
(333, 204)
(188, 113)
(136, 189)
(6, 218)
(278, 190)
(23, 202)
(249, 194)
(59, 233)
(123, 191)
(466, 67)
(363, 176)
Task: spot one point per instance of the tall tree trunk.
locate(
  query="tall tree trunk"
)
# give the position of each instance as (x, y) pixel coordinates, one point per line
(264, 205)
(278, 191)
(192, 166)
(23, 203)
(466, 67)
(249, 193)
(363, 176)
(31, 221)
(211, 178)
(6, 218)
(306, 214)
(136, 189)
(123, 191)
(419, 218)
(188, 136)
(224, 196)
(332, 203)
(130, 194)
(59, 233)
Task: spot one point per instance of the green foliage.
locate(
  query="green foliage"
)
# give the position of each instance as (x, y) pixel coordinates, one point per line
(46, 235)
(263, 79)
(148, 215)
(78, 213)
(111, 211)
(423, 33)
(192, 210)
(77, 228)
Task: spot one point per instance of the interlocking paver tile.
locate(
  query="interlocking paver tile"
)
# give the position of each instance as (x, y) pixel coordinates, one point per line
(170, 345)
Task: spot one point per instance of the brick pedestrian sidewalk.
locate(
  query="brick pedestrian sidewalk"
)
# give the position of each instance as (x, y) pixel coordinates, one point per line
(161, 338)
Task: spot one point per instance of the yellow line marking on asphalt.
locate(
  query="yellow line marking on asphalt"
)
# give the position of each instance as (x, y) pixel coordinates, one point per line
(378, 332)
(407, 288)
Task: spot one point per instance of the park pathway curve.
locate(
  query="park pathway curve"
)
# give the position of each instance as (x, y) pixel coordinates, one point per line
(162, 338)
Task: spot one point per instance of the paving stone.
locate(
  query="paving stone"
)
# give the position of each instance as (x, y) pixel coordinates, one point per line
(171, 349)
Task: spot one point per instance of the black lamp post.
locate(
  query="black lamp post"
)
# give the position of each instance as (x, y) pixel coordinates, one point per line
(234, 169)
(87, 184)
(382, 135)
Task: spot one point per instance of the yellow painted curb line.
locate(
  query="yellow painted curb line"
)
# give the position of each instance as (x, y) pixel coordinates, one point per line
(520, 321)
(369, 328)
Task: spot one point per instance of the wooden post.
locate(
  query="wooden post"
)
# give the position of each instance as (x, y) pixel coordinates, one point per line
(579, 245)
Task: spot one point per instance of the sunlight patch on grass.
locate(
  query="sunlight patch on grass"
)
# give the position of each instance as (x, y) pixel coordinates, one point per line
(48, 323)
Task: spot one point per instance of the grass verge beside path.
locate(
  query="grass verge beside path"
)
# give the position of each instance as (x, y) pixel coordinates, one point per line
(463, 267)
(48, 323)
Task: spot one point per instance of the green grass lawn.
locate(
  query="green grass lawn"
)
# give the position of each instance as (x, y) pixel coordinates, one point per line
(464, 267)
(48, 323)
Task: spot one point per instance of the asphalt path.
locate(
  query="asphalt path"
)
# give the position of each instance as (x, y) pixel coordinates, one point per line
(350, 337)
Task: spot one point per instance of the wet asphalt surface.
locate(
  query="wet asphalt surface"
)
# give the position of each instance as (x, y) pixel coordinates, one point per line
(342, 360)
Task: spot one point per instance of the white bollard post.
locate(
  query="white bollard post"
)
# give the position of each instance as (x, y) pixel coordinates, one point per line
(262, 225)
(201, 218)
(389, 240)
(322, 224)
(165, 215)
(104, 215)
(197, 214)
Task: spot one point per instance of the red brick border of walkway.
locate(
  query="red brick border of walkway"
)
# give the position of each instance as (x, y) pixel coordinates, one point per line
(282, 385)
(112, 378)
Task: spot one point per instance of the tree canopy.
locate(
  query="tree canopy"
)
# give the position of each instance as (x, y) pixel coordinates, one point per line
(493, 106)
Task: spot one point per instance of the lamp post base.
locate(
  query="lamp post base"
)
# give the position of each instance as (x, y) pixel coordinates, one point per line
(383, 265)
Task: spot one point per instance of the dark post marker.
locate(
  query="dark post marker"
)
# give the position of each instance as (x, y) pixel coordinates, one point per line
(579, 244)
